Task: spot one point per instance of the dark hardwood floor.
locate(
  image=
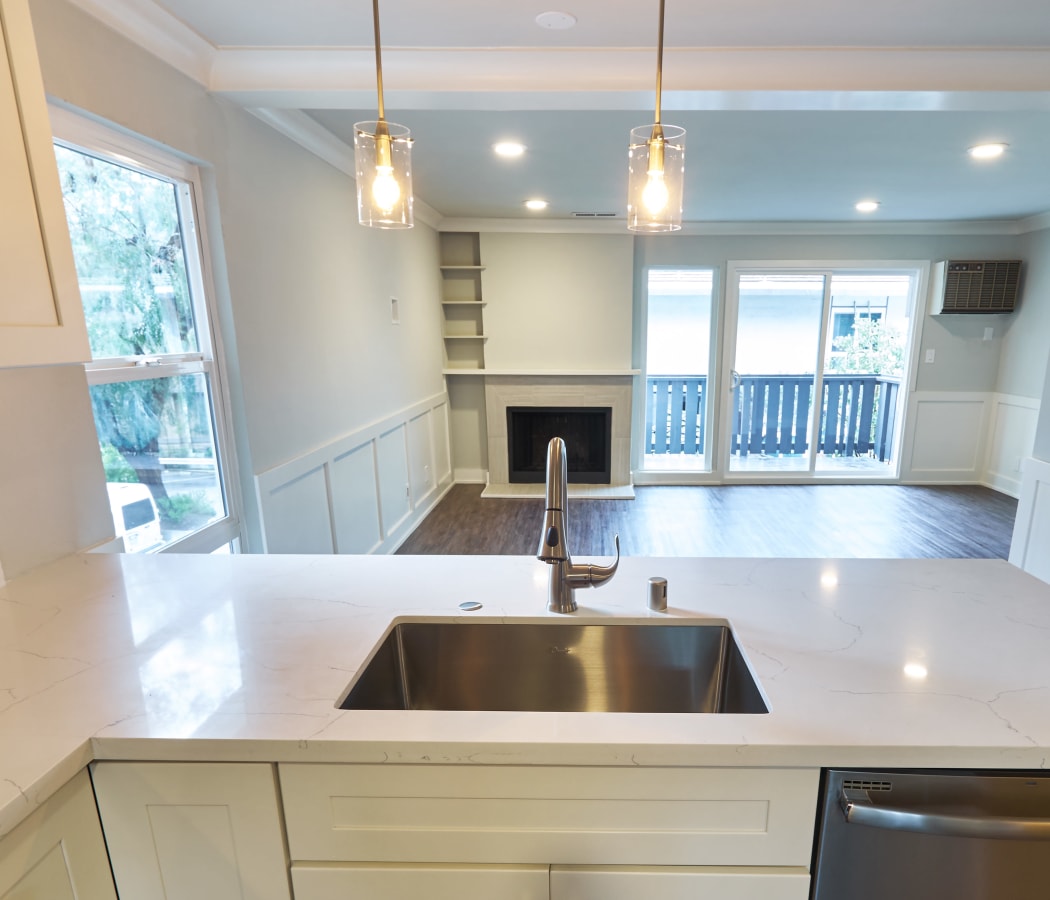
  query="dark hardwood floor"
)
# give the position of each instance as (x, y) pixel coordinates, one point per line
(875, 521)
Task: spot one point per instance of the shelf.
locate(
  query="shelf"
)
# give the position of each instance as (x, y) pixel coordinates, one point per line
(477, 303)
(465, 337)
(462, 268)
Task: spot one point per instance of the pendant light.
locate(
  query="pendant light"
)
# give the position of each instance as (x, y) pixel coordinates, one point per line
(383, 162)
(656, 166)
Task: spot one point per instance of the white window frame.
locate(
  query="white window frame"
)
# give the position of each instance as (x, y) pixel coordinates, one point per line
(88, 136)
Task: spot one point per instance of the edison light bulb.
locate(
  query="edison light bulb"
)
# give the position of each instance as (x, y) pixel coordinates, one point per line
(655, 195)
(385, 190)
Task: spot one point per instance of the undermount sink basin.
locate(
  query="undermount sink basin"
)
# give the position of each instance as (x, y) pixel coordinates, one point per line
(554, 667)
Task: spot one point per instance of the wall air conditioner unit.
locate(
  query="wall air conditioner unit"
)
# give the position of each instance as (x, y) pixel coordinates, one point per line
(975, 286)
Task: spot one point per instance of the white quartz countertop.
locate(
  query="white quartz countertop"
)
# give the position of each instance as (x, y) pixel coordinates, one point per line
(243, 658)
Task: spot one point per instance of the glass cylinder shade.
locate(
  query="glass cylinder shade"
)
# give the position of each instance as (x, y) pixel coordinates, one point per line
(383, 164)
(656, 174)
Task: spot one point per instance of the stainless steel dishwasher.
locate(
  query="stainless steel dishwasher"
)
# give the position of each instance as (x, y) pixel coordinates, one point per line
(925, 835)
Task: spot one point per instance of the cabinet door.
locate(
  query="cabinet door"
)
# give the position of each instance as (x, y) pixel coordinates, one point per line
(58, 852)
(41, 317)
(409, 882)
(678, 883)
(192, 831)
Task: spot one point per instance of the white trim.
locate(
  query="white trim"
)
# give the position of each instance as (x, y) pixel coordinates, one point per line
(618, 225)
(319, 462)
(1031, 520)
(1005, 452)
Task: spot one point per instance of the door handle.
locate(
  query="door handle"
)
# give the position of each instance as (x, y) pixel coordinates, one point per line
(734, 379)
(858, 809)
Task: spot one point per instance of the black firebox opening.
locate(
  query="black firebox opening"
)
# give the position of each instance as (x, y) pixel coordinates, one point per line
(587, 432)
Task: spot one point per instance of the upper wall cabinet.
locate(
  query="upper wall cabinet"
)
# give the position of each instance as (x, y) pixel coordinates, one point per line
(41, 318)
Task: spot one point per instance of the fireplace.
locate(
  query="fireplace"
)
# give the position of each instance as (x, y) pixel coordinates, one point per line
(587, 432)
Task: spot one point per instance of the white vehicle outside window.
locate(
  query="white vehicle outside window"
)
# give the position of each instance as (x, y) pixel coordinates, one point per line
(156, 386)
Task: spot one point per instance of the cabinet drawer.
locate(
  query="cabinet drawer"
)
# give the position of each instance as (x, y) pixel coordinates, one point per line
(678, 883)
(410, 882)
(547, 814)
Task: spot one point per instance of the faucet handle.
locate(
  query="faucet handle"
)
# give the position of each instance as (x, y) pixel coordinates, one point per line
(601, 574)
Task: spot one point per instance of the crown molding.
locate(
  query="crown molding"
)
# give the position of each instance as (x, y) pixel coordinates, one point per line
(716, 229)
(308, 134)
(574, 77)
(158, 32)
(1038, 222)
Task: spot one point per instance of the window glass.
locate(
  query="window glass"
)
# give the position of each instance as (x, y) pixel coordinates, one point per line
(131, 265)
(152, 378)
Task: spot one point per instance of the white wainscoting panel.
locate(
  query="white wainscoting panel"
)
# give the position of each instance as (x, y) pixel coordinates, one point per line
(420, 458)
(1030, 547)
(356, 515)
(297, 518)
(947, 437)
(364, 492)
(1011, 437)
(394, 491)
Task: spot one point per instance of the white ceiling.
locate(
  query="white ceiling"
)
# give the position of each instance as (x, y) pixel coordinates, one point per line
(794, 111)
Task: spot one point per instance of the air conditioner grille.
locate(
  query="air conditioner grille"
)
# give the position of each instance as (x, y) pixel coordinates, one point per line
(981, 286)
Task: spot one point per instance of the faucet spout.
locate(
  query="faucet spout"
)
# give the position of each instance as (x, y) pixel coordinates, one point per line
(565, 576)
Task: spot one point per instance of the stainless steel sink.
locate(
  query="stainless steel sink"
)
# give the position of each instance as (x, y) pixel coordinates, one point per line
(592, 667)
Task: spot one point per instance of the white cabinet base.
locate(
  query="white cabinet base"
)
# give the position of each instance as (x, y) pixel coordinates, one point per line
(193, 831)
(58, 852)
(678, 883)
(411, 882)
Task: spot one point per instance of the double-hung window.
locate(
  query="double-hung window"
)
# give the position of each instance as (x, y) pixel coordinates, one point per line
(155, 384)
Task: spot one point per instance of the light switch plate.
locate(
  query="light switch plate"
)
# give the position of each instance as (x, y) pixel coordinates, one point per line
(931, 355)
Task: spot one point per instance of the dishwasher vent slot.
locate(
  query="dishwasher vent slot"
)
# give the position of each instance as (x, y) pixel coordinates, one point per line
(859, 785)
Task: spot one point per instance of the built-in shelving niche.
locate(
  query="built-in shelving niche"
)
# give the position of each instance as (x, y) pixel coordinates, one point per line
(463, 323)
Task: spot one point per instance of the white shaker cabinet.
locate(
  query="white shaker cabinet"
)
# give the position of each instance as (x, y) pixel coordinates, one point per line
(395, 832)
(41, 317)
(58, 852)
(193, 831)
(411, 882)
(678, 883)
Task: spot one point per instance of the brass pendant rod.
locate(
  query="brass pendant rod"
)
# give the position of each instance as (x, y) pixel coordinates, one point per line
(379, 60)
(659, 61)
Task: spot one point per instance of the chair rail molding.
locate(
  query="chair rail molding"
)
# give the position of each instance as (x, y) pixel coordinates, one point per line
(363, 492)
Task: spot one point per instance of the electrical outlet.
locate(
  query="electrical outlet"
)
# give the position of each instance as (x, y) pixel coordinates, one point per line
(426, 474)
(931, 355)
(395, 312)
(989, 333)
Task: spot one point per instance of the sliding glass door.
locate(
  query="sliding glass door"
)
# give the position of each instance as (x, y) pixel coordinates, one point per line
(815, 360)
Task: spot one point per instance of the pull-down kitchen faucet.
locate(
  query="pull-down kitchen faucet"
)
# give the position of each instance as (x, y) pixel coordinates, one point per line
(565, 575)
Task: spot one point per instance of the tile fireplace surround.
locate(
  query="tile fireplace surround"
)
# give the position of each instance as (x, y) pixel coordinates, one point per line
(558, 389)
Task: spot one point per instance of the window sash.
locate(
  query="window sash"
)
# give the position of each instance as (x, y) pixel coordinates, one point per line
(84, 136)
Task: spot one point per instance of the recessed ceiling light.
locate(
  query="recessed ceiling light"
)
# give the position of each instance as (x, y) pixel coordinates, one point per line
(867, 206)
(555, 21)
(508, 149)
(536, 204)
(987, 151)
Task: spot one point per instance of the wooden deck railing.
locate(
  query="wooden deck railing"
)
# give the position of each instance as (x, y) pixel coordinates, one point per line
(771, 415)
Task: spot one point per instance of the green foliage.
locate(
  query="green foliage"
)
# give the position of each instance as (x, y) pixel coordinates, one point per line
(871, 348)
(117, 468)
(179, 507)
(127, 243)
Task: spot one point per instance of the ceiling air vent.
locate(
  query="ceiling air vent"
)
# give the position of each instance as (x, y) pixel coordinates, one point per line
(593, 215)
(975, 286)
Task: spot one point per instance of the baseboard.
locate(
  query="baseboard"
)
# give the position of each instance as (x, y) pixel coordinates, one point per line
(470, 476)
